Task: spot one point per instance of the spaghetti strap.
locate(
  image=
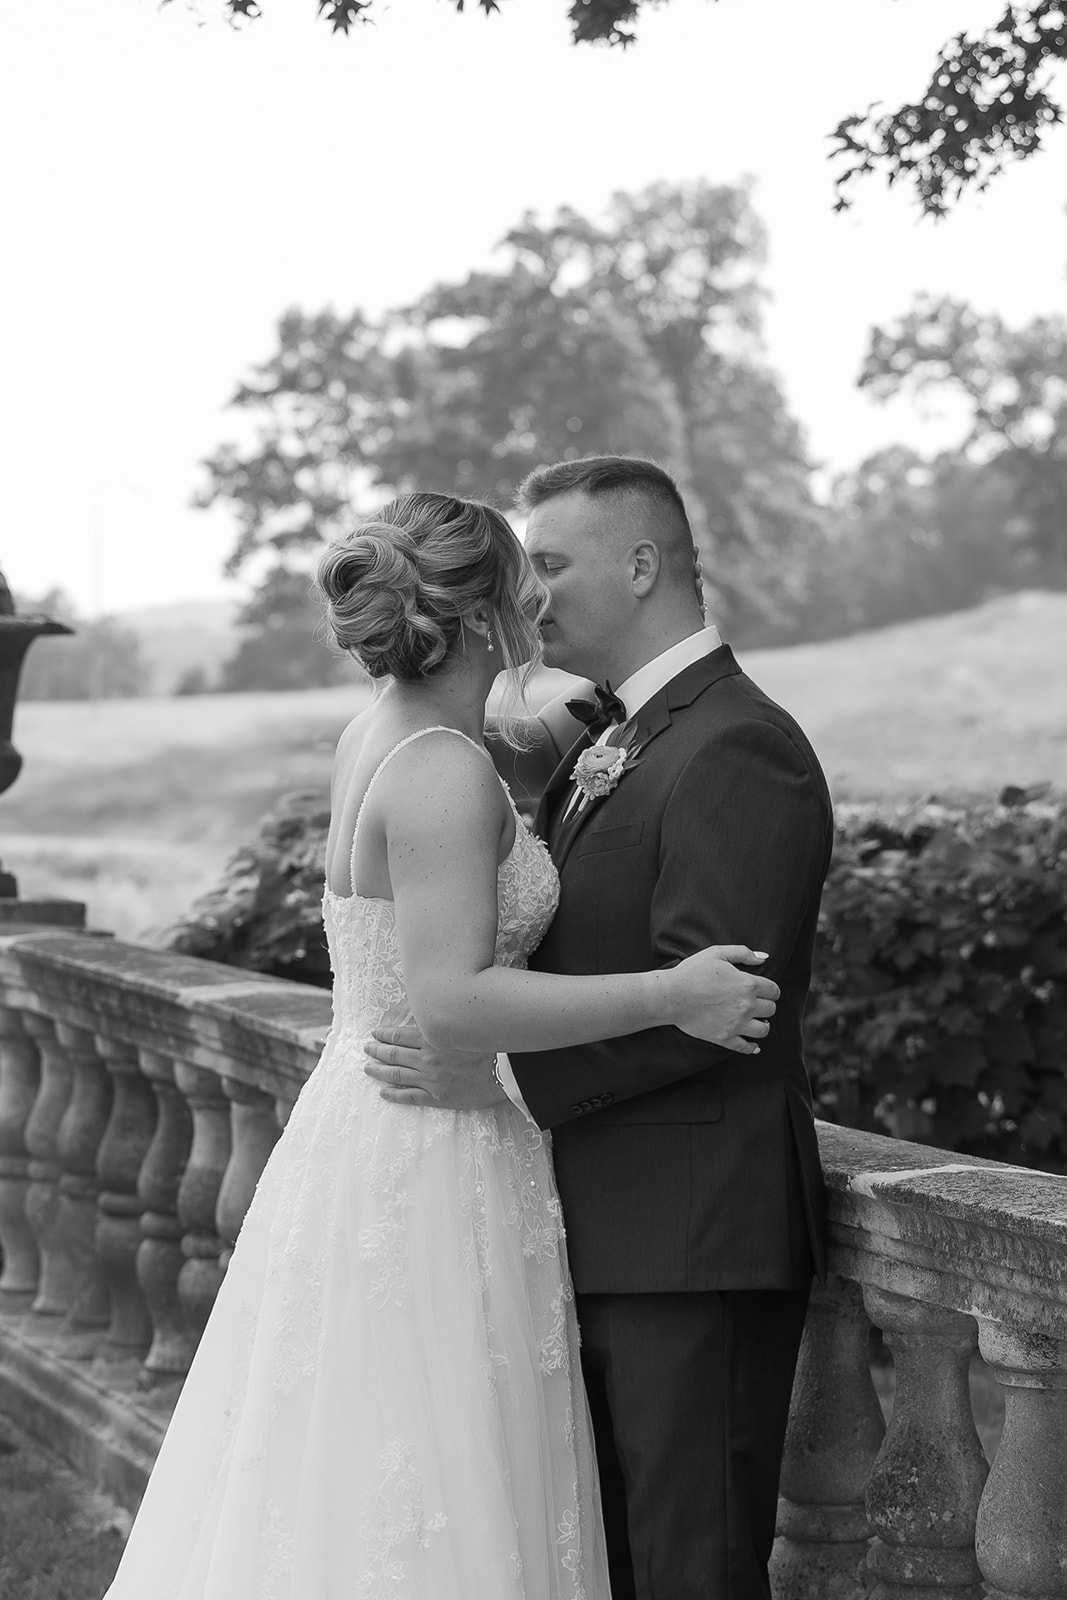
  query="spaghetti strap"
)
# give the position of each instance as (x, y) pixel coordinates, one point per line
(441, 727)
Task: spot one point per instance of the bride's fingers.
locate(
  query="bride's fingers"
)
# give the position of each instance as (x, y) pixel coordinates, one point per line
(740, 954)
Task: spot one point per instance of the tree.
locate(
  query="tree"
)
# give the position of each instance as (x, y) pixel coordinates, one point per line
(101, 660)
(194, 680)
(638, 333)
(912, 537)
(592, 21)
(988, 100)
(1014, 382)
(281, 647)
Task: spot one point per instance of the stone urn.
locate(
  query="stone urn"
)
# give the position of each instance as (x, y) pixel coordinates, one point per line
(17, 633)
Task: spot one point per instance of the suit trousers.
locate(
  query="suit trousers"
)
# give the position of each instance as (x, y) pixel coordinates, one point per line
(689, 1395)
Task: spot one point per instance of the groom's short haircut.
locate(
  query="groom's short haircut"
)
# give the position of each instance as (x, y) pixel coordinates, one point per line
(631, 479)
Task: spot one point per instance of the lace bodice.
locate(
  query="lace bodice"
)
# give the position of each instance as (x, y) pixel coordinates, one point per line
(361, 930)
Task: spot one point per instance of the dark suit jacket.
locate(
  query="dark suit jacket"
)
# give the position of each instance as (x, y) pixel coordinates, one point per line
(683, 1165)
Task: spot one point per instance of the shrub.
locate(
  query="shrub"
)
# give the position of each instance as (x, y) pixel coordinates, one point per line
(939, 1007)
(266, 913)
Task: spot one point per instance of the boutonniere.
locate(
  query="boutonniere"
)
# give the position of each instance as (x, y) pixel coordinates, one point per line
(597, 772)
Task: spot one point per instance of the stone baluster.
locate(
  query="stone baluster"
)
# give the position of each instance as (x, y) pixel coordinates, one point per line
(19, 1083)
(42, 1197)
(159, 1255)
(924, 1488)
(254, 1133)
(130, 1128)
(198, 1194)
(1022, 1521)
(78, 1141)
(835, 1430)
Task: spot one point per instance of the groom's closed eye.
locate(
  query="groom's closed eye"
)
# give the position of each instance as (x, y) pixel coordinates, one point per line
(549, 562)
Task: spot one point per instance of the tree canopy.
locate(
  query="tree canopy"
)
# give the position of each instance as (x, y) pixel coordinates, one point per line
(592, 21)
(988, 101)
(102, 660)
(1014, 384)
(637, 333)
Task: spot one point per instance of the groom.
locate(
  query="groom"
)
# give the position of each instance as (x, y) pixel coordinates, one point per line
(689, 1174)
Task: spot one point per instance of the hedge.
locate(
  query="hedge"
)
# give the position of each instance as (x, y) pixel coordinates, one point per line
(939, 1007)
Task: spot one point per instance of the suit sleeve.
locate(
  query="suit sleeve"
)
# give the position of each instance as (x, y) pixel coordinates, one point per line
(743, 849)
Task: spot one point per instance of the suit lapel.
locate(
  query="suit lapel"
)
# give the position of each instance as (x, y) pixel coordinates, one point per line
(557, 786)
(652, 719)
(656, 714)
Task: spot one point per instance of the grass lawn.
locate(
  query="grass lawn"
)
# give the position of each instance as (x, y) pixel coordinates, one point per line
(58, 1540)
(134, 805)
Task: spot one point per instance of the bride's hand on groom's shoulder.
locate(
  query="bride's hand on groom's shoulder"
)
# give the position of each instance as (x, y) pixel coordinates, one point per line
(715, 999)
(410, 1072)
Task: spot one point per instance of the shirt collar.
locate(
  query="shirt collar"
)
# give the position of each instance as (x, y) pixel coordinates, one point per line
(641, 685)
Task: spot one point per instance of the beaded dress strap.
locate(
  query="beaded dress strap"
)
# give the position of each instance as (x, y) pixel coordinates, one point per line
(379, 769)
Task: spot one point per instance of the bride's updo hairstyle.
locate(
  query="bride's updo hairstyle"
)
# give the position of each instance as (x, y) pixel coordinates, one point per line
(397, 586)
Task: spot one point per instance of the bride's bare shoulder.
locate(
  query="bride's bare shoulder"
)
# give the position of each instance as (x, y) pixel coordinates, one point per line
(368, 741)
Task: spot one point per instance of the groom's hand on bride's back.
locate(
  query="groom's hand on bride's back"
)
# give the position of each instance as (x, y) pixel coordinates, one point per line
(410, 1072)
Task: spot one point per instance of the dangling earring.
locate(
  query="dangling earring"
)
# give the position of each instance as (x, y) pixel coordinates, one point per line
(489, 645)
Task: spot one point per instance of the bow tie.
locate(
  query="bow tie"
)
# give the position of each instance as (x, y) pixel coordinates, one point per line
(600, 713)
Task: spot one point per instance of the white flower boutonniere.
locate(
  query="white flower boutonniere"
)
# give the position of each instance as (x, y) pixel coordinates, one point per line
(597, 771)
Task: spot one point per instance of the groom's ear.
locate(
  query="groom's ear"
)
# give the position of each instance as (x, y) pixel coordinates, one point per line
(644, 566)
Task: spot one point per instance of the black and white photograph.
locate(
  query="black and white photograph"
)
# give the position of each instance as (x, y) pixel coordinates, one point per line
(533, 800)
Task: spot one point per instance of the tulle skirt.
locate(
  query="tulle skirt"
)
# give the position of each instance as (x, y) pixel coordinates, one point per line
(386, 1403)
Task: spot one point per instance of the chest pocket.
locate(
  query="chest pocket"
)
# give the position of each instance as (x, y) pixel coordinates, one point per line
(622, 837)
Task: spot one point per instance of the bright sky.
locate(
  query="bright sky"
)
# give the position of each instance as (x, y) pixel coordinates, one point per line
(172, 187)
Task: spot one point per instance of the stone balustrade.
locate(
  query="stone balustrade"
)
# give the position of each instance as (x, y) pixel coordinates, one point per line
(945, 1256)
(141, 1094)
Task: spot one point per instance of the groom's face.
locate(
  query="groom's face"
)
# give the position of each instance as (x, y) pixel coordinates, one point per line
(574, 543)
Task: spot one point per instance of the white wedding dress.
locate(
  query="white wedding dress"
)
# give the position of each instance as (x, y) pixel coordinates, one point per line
(386, 1402)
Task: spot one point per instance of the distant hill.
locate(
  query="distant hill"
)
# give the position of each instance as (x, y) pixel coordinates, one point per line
(962, 703)
(185, 634)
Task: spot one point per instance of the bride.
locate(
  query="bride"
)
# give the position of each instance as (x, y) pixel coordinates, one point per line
(386, 1402)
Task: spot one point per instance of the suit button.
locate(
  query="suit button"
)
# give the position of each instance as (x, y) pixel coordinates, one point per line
(576, 1111)
(606, 1099)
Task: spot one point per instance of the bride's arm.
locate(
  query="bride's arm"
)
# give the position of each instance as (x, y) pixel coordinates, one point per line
(442, 820)
(550, 734)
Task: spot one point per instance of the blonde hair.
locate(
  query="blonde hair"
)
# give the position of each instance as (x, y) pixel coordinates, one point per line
(397, 587)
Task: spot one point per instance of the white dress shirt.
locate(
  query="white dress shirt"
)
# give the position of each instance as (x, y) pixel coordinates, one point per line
(634, 692)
